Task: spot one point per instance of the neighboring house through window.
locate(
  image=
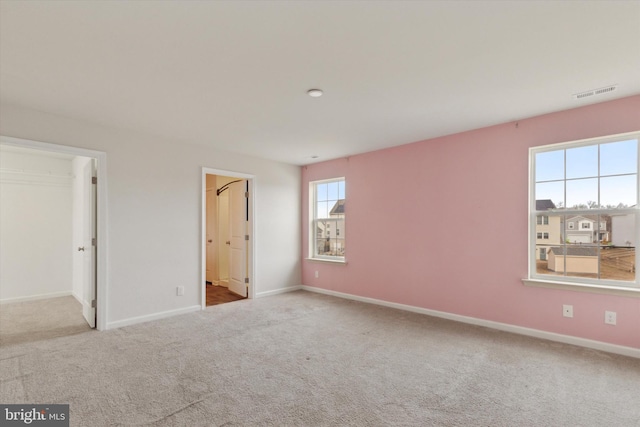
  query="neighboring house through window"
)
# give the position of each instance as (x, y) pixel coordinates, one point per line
(547, 229)
(584, 216)
(327, 220)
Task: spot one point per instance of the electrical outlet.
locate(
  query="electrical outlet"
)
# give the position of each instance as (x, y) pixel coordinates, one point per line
(317, 274)
(180, 291)
(610, 317)
(567, 310)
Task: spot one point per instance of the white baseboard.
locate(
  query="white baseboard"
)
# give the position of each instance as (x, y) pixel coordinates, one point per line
(35, 297)
(279, 291)
(77, 297)
(155, 316)
(551, 336)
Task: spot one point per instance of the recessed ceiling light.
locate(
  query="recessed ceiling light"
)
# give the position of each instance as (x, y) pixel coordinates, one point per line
(315, 92)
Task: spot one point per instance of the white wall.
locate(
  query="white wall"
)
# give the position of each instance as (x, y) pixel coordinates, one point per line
(35, 226)
(154, 213)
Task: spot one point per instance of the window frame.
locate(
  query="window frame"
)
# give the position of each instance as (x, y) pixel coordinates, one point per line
(607, 286)
(313, 203)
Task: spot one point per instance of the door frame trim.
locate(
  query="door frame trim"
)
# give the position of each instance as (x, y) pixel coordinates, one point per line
(251, 230)
(101, 213)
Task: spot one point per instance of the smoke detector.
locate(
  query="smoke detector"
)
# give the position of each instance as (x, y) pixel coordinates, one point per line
(594, 92)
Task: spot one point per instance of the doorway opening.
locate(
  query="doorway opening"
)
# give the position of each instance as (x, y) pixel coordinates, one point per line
(227, 229)
(53, 206)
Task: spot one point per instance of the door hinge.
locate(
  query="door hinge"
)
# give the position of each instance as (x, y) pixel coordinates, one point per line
(246, 280)
(246, 194)
(94, 179)
(93, 304)
(93, 241)
(246, 237)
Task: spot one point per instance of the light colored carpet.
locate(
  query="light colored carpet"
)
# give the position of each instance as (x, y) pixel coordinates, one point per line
(305, 359)
(40, 320)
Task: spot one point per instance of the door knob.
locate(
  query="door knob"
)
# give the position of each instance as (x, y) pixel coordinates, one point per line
(227, 242)
(81, 248)
(209, 241)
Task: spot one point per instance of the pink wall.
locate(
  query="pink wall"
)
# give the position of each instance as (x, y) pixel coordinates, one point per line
(442, 224)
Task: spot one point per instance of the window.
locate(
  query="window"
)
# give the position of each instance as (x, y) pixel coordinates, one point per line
(588, 194)
(542, 220)
(327, 212)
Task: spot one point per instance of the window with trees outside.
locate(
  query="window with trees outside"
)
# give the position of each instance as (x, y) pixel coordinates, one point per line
(589, 191)
(327, 227)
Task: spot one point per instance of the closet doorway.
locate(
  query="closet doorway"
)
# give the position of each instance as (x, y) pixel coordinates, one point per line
(53, 220)
(227, 238)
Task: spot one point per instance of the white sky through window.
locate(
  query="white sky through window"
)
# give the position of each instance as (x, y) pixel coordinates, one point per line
(605, 174)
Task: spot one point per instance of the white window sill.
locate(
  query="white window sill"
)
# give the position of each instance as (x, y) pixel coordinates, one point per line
(582, 287)
(328, 261)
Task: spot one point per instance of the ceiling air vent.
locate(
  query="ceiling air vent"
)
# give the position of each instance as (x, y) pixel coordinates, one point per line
(594, 92)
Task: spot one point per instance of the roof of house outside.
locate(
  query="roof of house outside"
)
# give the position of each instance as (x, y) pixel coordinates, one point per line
(592, 218)
(338, 208)
(574, 250)
(544, 204)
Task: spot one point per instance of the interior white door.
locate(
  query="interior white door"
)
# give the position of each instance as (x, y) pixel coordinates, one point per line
(224, 242)
(88, 247)
(237, 232)
(210, 227)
